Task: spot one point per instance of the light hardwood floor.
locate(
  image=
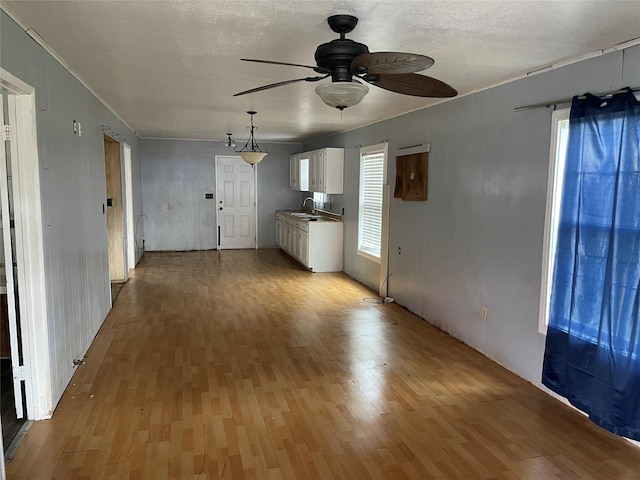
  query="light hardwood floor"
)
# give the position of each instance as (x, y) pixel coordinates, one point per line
(241, 365)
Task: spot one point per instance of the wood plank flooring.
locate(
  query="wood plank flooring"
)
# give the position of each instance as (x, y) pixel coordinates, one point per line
(241, 365)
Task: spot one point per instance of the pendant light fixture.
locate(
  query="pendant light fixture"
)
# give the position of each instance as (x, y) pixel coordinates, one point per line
(251, 152)
(229, 142)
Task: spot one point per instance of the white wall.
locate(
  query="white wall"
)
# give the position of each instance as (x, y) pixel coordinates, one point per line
(73, 190)
(477, 240)
(178, 173)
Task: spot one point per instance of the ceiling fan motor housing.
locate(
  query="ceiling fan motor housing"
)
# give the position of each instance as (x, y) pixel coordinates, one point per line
(336, 56)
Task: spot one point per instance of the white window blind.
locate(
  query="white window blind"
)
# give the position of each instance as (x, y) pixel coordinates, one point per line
(372, 172)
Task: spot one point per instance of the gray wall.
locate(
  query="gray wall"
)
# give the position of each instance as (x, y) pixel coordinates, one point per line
(73, 189)
(178, 173)
(477, 240)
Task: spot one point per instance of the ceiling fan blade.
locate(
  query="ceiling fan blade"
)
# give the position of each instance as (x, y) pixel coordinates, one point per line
(316, 69)
(413, 84)
(380, 63)
(279, 84)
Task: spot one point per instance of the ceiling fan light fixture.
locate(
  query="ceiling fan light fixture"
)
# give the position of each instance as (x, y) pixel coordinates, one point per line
(251, 152)
(342, 95)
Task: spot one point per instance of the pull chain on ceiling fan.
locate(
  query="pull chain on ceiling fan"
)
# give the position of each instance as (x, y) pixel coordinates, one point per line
(350, 63)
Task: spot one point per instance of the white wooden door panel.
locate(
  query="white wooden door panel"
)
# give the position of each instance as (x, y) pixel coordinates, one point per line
(236, 203)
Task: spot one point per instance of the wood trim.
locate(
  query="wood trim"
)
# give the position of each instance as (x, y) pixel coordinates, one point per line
(129, 221)
(30, 250)
(384, 243)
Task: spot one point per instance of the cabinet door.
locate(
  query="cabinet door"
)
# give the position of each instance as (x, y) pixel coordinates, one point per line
(296, 243)
(291, 240)
(303, 248)
(312, 171)
(333, 169)
(317, 170)
(286, 229)
(294, 172)
(321, 166)
(280, 230)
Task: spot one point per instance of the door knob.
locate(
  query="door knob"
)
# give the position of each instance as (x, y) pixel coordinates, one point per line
(220, 208)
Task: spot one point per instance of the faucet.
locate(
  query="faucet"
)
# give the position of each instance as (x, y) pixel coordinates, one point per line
(313, 208)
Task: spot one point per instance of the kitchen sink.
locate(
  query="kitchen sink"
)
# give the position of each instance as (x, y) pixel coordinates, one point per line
(309, 216)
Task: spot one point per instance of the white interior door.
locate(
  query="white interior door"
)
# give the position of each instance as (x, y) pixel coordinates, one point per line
(9, 282)
(235, 203)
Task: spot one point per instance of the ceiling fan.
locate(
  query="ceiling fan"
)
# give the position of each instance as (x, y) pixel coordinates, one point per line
(349, 63)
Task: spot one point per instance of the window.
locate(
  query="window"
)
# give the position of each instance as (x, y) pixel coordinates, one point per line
(320, 199)
(373, 170)
(555, 180)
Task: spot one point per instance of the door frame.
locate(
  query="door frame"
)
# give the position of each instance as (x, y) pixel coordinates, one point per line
(117, 256)
(255, 203)
(383, 289)
(30, 249)
(130, 245)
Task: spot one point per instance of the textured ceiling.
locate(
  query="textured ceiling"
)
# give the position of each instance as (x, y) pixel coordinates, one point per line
(170, 68)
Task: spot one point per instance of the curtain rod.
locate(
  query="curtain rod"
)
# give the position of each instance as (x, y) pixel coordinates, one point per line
(567, 100)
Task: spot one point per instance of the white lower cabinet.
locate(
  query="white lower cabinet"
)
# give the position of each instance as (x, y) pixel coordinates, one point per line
(315, 244)
(303, 248)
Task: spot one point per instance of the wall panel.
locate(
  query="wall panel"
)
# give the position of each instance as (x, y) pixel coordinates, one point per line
(72, 177)
(178, 174)
(477, 240)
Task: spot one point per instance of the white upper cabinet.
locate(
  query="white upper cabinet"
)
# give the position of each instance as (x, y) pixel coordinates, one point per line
(299, 172)
(317, 171)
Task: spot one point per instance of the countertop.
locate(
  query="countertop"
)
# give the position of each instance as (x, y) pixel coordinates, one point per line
(317, 216)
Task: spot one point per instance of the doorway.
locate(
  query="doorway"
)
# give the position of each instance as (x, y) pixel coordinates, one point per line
(12, 400)
(236, 203)
(115, 215)
(23, 250)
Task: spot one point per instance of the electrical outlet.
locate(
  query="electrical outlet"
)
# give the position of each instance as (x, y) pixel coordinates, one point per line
(484, 313)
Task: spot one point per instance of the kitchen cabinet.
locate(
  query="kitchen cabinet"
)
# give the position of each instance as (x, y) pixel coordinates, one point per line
(317, 163)
(315, 244)
(326, 169)
(317, 171)
(299, 172)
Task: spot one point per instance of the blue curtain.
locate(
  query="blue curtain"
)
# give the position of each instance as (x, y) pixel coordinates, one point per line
(592, 354)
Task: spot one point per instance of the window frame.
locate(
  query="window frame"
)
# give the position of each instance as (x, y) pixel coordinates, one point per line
(555, 181)
(382, 148)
